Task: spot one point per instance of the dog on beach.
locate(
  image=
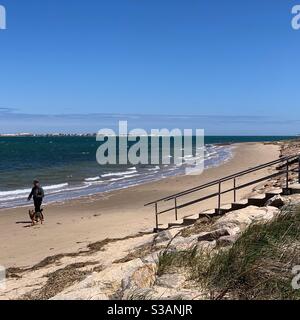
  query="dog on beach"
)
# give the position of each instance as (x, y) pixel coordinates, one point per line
(36, 217)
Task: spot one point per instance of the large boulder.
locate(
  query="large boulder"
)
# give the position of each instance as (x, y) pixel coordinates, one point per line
(163, 236)
(276, 201)
(182, 243)
(104, 284)
(139, 283)
(173, 280)
(213, 235)
(226, 241)
(206, 246)
(237, 221)
(141, 278)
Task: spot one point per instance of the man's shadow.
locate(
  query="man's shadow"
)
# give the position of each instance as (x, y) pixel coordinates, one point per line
(28, 223)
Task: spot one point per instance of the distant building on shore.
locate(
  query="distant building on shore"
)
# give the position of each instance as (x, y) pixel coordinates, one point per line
(23, 134)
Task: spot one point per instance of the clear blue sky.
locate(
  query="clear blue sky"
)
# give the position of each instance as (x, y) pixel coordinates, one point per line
(197, 57)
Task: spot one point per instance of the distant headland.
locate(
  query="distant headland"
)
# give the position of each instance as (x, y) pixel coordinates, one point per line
(26, 134)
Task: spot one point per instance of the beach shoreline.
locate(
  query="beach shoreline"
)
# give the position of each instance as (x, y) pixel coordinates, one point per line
(107, 192)
(76, 178)
(71, 225)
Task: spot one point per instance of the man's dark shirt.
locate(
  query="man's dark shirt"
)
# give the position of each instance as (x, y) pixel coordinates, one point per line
(36, 193)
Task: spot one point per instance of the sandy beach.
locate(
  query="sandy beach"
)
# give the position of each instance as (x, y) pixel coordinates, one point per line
(71, 225)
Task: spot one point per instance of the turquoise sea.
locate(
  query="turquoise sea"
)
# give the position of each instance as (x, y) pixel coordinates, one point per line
(67, 166)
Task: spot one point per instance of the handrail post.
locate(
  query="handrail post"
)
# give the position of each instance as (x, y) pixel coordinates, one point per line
(176, 212)
(234, 186)
(156, 216)
(286, 190)
(219, 198)
(299, 169)
(287, 174)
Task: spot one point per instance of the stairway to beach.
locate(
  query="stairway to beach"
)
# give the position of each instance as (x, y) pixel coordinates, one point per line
(258, 200)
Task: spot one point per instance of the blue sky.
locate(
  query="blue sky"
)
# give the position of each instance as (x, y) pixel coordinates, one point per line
(163, 57)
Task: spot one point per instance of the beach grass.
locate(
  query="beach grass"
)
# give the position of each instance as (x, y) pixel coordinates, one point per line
(258, 265)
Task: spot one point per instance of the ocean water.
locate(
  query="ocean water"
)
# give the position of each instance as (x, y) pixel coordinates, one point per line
(67, 167)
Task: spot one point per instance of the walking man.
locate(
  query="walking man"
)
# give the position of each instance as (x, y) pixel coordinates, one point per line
(37, 193)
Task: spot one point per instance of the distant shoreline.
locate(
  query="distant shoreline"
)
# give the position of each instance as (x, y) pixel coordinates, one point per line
(15, 135)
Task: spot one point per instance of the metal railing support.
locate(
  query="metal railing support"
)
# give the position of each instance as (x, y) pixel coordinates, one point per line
(176, 210)
(286, 190)
(287, 174)
(219, 198)
(299, 170)
(234, 187)
(156, 216)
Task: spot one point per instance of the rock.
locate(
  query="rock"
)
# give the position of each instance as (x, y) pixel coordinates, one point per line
(144, 276)
(106, 283)
(213, 235)
(139, 282)
(206, 245)
(276, 201)
(139, 294)
(163, 236)
(166, 236)
(182, 243)
(226, 241)
(152, 257)
(84, 294)
(237, 221)
(170, 280)
(164, 293)
(138, 285)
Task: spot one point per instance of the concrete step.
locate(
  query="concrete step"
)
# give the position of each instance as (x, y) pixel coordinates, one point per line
(257, 200)
(208, 213)
(176, 223)
(191, 219)
(295, 188)
(224, 209)
(161, 228)
(239, 204)
(272, 193)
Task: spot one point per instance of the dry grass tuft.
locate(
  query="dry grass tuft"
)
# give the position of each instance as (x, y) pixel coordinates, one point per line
(61, 279)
